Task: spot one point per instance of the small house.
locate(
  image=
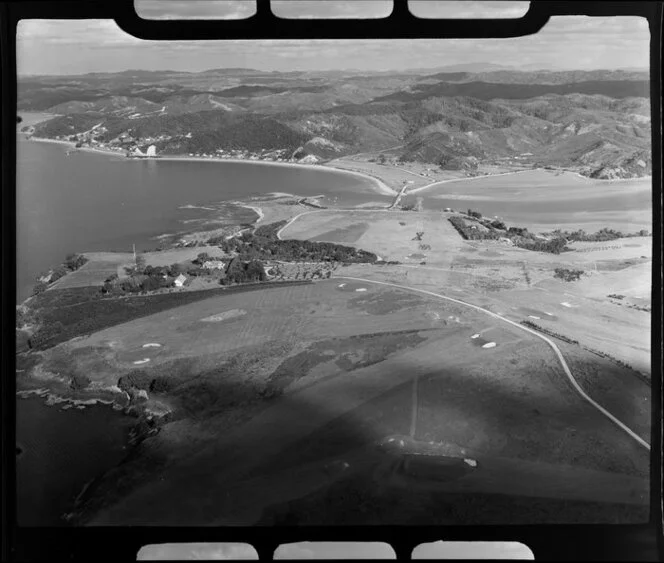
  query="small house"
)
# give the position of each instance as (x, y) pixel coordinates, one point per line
(214, 265)
(180, 280)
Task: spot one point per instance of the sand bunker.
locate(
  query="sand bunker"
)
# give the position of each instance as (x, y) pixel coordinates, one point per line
(566, 304)
(470, 462)
(352, 287)
(143, 361)
(489, 345)
(537, 314)
(152, 345)
(475, 335)
(224, 316)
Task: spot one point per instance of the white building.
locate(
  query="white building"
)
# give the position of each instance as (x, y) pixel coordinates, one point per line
(179, 281)
(214, 265)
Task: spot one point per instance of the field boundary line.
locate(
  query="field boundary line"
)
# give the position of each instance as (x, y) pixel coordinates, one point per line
(552, 344)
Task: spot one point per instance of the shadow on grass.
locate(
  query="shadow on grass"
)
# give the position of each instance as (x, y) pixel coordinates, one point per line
(281, 460)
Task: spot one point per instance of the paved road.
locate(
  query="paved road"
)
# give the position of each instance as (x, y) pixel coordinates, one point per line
(552, 344)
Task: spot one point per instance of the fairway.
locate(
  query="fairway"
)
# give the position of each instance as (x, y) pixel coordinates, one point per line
(340, 368)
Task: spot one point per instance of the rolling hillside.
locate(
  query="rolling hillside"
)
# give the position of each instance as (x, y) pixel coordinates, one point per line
(595, 122)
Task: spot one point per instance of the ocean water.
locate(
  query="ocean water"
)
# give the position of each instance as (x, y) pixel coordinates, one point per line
(94, 202)
(62, 451)
(542, 200)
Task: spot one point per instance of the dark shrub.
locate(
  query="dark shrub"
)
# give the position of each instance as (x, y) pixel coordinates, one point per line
(568, 275)
(39, 287)
(138, 378)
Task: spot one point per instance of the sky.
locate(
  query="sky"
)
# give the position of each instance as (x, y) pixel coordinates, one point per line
(565, 43)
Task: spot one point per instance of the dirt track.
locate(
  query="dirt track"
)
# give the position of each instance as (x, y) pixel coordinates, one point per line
(555, 348)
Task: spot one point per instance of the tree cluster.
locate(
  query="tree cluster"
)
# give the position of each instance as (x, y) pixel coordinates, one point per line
(471, 234)
(603, 235)
(45, 334)
(74, 261)
(263, 244)
(549, 332)
(71, 263)
(239, 271)
(146, 278)
(553, 246)
(568, 275)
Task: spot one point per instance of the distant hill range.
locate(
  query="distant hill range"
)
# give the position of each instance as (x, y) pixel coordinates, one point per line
(596, 122)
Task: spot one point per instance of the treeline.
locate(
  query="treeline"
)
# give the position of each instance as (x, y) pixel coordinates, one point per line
(71, 263)
(616, 361)
(263, 244)
(469, 233)
(604, 234)
(144, 278)
(553, 246)
(549, 332)
(60, 322)
(497, 229)
(239, 271)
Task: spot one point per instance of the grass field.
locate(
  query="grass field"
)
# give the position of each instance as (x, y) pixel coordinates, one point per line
(100, 266)
(333, 369)
(388, 234)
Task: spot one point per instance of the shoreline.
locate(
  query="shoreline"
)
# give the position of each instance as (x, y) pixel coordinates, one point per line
(377, 183)
(254, 208)
(467, 179)
(380, 186)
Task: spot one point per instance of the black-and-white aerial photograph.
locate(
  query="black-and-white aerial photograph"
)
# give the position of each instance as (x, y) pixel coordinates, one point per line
(333, 282)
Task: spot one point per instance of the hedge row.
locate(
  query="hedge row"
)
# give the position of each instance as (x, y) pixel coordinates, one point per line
(549, 332)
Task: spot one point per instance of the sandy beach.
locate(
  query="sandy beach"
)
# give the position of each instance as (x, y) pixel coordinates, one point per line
(254, 208)
(378, 184)
(72, 144)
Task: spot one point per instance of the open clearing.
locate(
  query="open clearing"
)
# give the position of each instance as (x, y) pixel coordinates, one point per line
(100, 266)
(388, 234)
(339, 366)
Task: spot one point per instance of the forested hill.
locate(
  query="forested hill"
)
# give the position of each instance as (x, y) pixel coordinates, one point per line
(596, 122)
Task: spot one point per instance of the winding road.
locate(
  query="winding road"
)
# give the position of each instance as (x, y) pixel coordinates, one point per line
(552, 344)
